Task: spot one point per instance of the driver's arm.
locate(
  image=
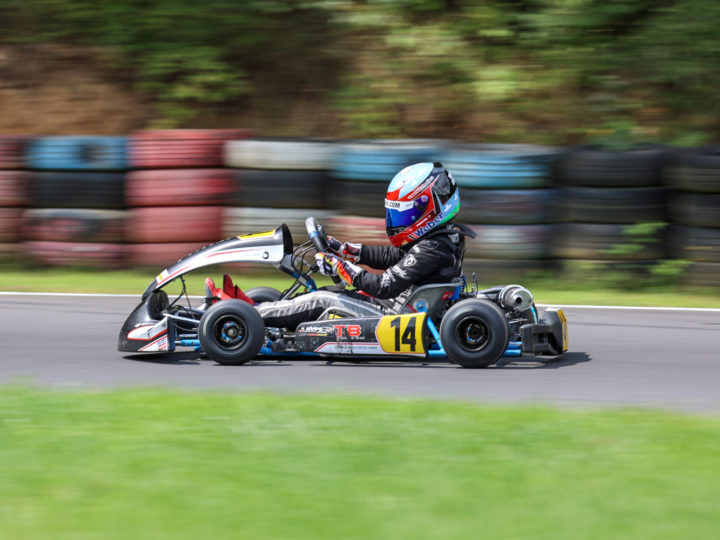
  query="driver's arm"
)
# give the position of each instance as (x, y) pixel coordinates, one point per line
(380, 257)
(421, 261)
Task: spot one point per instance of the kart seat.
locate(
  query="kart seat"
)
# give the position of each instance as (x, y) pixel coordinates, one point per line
(229, 290)
(432, 298)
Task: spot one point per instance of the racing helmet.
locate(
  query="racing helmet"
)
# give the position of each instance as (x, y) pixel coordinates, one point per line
(419, 198)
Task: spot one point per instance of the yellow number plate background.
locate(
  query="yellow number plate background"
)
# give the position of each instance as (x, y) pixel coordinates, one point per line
(563, 319)
(388, 340)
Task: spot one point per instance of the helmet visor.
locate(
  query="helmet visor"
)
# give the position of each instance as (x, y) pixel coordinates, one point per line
(401, 214)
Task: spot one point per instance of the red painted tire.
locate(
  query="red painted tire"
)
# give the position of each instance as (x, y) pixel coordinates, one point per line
(179, 187)
(160, 255)
(12, 152)
(181, 148)
(74, 225)
(83, 254)
(14, 188)
(175, 224)
(365, 230)
(10, 224)
(9, 252)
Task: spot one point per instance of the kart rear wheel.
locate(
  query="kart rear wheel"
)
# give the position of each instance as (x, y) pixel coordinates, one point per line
(474, 333)
(263, 294)
(231, 332)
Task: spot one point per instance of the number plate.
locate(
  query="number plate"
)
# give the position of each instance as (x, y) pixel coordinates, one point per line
(563, 320)
(402, 334)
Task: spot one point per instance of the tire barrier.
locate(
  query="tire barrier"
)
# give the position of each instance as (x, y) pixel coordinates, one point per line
(695, 169)
(364, 230)
(81, 254)
(490, 272)
(175, 224)
(508, 207)
(14, 188)
(281, 189)
(613, 205)
(610, 242)
(9, 252)
(103, 191)
(379, 161)
(180, 148)
(74, 225)
(77, 153)
(528, 242)
(179, 187)
(10, 219)
(703, 274)
(160, 255)
(239, 221)
(500, 166)
(696, 209)
(12, 152)
(593, 167)
(280, 154)
(697, 244)
(358, 198)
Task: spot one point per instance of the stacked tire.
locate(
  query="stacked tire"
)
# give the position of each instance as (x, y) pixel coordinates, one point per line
(13, 194)
(177, 192)
(694, 175)
(77, 209)
(278, 180)
(613, 208)
(508, 199)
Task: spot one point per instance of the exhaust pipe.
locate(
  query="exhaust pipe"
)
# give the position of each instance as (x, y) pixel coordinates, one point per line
(515, 297)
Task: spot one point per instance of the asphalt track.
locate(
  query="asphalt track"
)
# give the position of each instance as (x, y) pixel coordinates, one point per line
(618, 357)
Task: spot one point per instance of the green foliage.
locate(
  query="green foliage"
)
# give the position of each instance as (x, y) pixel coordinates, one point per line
(557, 71)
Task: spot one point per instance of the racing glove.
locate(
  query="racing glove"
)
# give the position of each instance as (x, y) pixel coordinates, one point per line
(347, 250)
(332, 265)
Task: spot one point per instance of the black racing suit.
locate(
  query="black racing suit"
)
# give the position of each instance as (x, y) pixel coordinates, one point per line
(435, 258)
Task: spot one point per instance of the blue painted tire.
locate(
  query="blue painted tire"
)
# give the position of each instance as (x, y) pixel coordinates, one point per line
(500, 166)
(78, 153)
(379, 161)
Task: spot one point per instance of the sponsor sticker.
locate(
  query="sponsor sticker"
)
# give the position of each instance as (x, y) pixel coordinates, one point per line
(398, 205)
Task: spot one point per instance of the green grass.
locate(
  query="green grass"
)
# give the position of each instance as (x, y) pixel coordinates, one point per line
(546, 291)
(170, 464)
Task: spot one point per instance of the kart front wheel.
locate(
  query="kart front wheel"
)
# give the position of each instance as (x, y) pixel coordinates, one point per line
(474, 333)
(231, 332)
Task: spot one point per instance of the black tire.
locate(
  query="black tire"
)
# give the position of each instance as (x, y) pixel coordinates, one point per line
(357, 198)
(694, 169)
(104, 191)
(613, 205)
(696, 209)
(611, 242)
(508, 206)
(700, 244)
(596, 167)
(231, 332)
(474, 333)
(263, 294)
(281, 189)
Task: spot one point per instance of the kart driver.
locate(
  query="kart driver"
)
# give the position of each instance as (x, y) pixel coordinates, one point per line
(427, 247)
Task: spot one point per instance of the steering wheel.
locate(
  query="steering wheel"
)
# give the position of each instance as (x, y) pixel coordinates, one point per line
(317, 234)
(320, 242)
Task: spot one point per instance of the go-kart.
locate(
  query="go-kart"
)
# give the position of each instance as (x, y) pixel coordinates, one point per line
(473, 328)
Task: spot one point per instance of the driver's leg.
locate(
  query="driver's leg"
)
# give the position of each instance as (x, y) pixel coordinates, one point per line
(308, 307)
